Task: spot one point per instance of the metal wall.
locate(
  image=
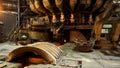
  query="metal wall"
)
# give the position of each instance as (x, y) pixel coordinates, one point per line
(9, 21)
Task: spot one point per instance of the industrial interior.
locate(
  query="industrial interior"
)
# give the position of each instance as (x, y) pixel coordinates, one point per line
(59, 33)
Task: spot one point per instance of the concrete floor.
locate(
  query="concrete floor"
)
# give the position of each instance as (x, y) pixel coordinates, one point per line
(94, 59)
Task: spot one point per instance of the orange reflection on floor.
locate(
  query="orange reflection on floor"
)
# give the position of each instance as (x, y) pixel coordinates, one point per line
(58, 45)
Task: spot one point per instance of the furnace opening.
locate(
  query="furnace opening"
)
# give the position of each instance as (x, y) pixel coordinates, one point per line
(30, 58)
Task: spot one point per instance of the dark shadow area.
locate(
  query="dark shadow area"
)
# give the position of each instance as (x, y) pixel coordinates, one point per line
(115, 52)
(82, 50)
(29, 58)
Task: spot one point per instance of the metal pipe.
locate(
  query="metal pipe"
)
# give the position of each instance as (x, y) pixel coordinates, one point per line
(58, 29)
(97, 5)
(62, 17)
(72, 5)
(32, 7)
(18, 22)
(48, 6)
(40, 7)
(59, 4)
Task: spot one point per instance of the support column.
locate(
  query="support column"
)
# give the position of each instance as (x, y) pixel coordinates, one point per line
(98, 29)
(116, 34)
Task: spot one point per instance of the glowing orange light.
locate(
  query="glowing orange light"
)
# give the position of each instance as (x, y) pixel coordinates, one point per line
(0, 5)
(58, 45)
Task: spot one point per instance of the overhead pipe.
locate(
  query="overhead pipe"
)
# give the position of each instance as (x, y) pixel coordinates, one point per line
(18, 16)
(59, 28)
(72, 5)
(40, 7)
(6, 6)
(104, 15)
(48, 6)
(32, 7)
(82, 6)
(107, 9)
(96, 6)
(59, 4)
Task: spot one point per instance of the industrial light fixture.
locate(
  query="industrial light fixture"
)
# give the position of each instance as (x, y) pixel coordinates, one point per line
(107, 26)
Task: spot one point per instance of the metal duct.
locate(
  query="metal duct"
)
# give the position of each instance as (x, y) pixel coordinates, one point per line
(48, 6)
(40, 7)
(59, 4)
(80, 9)
(32, 7)
(98, 4)
(72, 5)
(107, 9)
(48, 51)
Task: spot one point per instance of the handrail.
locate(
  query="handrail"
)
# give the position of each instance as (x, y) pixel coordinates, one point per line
(14, 31)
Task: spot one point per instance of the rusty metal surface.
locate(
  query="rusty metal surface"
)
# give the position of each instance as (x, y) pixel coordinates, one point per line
(32, 6)
(42, 36)
(53, 50)
(22, 50)
(116, 32)
(48, 51)
(77, 35)
(98, 29)
(40, 7)
(76, 9)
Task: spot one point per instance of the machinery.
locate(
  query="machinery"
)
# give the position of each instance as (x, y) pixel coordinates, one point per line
(87, 23)
(65, 21)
